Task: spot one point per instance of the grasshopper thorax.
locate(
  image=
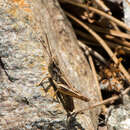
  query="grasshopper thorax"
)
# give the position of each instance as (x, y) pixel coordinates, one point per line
(54, 71)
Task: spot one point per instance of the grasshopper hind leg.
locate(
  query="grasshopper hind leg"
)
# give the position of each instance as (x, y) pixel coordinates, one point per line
(67, 101)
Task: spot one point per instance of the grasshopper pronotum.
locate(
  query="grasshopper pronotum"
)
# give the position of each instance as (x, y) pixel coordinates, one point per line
(62, 87)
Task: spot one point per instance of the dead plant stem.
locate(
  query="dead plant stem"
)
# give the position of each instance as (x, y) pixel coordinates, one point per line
(103, 44)
(105, 101)
(118, 22)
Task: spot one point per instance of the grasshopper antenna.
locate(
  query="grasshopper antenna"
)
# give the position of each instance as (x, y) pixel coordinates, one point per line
(48, 44)
(46, 48)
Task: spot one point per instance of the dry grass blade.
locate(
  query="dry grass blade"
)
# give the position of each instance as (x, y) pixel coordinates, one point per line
(106, 101)
(92, 52)
(109, 31)
(86, 49)
(118, 22)
(110, 40)
(106, 9)
(110, 44)
(118, 41)
(102, 5)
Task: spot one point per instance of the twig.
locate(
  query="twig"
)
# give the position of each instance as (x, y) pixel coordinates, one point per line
(109, 31)
(92, 52)
(96, 81)
(104, 45)
(113, 46)
(106, 101)
(106, 9)
(121, 24)
(86, 49)
(102, 5)
(118, 41)
(110, 43)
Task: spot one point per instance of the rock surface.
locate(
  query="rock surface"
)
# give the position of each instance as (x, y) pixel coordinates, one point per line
(22, 104)
(126, 9)
(119, 117)
(22, 67)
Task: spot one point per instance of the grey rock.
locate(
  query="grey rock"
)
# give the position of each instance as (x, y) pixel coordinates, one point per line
(22, 105)
(126, 9)
(119, 118)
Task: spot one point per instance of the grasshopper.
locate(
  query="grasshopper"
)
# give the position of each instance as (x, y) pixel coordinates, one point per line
(64, 90)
